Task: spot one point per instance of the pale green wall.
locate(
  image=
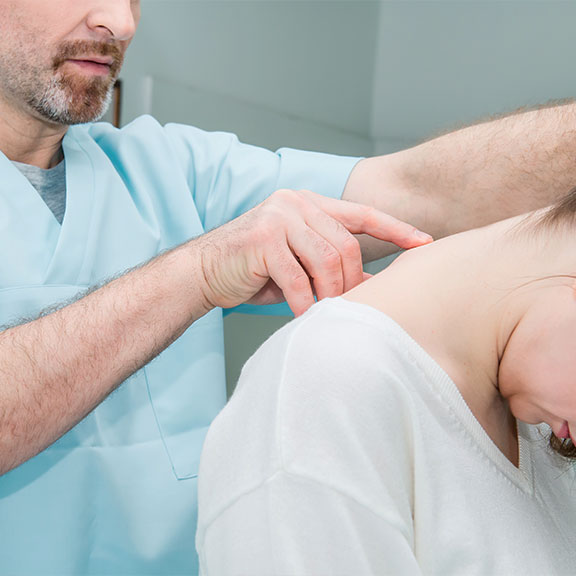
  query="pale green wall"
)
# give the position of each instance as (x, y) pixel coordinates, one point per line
(277, 73)
(441, 64)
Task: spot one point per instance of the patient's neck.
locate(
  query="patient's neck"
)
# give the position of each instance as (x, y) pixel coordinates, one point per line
(458, 298)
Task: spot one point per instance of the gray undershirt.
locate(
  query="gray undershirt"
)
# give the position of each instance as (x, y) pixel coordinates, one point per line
(50, 184)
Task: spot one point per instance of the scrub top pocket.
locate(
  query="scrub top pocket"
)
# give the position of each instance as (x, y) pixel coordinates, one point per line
(187, 390)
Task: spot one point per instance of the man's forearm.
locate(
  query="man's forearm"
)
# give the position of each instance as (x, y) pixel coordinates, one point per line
(475, 175)
(56, 369)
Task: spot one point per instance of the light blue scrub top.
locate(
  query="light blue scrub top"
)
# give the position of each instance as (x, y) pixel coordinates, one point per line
(117, 494)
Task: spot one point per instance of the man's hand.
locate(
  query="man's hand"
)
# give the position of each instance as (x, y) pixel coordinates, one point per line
(293, 246)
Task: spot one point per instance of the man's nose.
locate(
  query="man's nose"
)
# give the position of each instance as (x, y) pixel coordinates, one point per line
(119, 18)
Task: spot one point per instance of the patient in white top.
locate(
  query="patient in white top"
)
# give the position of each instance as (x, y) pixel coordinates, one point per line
(413, 426)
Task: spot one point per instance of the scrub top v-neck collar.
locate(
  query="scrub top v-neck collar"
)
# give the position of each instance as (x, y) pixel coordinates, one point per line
(58, 251)
(69, 259)
(27, 221)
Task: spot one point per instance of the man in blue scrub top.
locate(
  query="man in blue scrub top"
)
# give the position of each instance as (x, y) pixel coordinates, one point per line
(119, 247)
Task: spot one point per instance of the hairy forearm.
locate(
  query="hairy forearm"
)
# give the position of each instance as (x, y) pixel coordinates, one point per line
(475, 175)
(56, 369)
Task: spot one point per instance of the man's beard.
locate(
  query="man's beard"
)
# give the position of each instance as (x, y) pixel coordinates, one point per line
(74, 98)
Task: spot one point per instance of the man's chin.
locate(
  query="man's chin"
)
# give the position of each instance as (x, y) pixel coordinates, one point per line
(84, 116)
(70, 117)
(76, 103)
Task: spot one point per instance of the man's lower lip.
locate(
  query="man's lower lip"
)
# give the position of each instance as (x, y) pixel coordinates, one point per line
(564, 431)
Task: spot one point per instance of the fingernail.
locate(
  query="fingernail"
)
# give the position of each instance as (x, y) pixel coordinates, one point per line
(423, 235)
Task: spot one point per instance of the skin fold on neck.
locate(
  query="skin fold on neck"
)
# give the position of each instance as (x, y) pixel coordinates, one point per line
(461, 298)
(30, 140)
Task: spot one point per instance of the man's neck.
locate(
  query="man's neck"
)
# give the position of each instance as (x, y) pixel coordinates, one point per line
(30, 140)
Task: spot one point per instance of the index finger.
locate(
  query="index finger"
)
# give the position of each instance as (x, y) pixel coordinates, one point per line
(362, 219)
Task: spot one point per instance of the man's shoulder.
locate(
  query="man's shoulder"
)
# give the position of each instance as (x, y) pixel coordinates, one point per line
(144, 125)
(143, 145)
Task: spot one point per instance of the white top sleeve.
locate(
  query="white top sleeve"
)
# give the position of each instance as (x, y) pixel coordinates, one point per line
(287, 486)
(292, 525)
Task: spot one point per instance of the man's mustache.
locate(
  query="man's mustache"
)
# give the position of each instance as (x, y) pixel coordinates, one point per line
(76, 50)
